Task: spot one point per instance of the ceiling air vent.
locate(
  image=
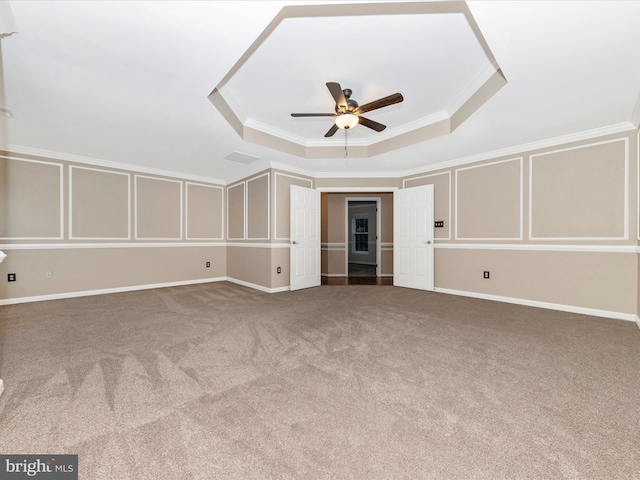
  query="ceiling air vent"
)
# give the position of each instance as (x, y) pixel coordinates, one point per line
(241, 157)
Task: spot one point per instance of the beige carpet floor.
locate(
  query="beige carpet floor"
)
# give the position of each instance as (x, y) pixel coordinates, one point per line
(218, 381)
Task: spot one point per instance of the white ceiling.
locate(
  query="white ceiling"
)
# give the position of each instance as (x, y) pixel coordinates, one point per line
(394, 38)
(127, 82)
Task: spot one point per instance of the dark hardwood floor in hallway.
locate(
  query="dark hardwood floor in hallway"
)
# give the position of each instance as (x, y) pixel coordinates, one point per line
(359, 275)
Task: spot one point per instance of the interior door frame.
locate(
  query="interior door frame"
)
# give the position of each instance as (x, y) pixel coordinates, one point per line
(347, 230)
(367, 190)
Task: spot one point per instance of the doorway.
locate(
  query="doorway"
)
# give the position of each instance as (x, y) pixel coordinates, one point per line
(362, 229)
(335, 233)
(401, 213)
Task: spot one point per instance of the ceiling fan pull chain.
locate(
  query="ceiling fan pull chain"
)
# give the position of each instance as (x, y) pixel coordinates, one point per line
(346, 138)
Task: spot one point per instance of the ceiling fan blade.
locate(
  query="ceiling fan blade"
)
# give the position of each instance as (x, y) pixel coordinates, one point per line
(332, 130)
(313, 114)
(378, 127)
(381, 102)
(337, 93)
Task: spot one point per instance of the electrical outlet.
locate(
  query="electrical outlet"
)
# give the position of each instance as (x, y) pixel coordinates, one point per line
(208, 264)
(279, 270)
(48, 274)
(486, 274)
(11, 277)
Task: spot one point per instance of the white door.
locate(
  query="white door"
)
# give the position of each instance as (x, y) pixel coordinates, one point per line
(305, 238)
(413, 237)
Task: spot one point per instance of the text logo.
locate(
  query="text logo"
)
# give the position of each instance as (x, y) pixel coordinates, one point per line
(45, 467)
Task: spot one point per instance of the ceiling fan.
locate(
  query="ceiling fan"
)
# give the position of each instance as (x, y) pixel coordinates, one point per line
(348, 113)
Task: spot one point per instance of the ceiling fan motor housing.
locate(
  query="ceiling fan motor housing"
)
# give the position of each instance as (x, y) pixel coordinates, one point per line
(351, 104)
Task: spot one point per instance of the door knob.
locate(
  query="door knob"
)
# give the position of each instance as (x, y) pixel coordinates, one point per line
(428, 242)
(294, 242)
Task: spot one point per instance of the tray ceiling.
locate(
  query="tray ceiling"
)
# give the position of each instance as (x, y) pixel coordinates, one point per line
(128, 83)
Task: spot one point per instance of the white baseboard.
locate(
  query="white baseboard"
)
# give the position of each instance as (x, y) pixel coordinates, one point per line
(280, 289)
(519, 301)
(256, 286)
(133, 288)
(86, 293)
(551, 306)
(1, 386)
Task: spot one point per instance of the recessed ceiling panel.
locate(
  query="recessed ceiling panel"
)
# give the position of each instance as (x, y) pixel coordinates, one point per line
(432, 53)
(374, 56)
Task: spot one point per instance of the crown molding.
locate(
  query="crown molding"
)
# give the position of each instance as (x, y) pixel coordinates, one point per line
(256, 167)
(108, 163)
(520, 149)
(359, 175)
(357, 189)
(473, 86)
(262, 165)
(516, 150)
(297, 170)
(323, 145)
(276, 132)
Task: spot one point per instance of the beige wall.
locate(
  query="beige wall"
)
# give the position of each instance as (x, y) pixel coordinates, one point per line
(158, 208)
(488, 201)
(579, 192)
(442, 199)
(205, 219)
(99, 204)
(600, 281)
(248, 220)
(31, 199)
(258, 205)
(94, 269)
(254, 258)
(556, 225)
(282, 182)
(92, 228)
(249, 208)
(250, 264)
(280, 258)
(236, 211)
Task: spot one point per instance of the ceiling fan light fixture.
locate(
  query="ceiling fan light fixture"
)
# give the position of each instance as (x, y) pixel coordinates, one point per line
(346, 121)
(348, 111)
